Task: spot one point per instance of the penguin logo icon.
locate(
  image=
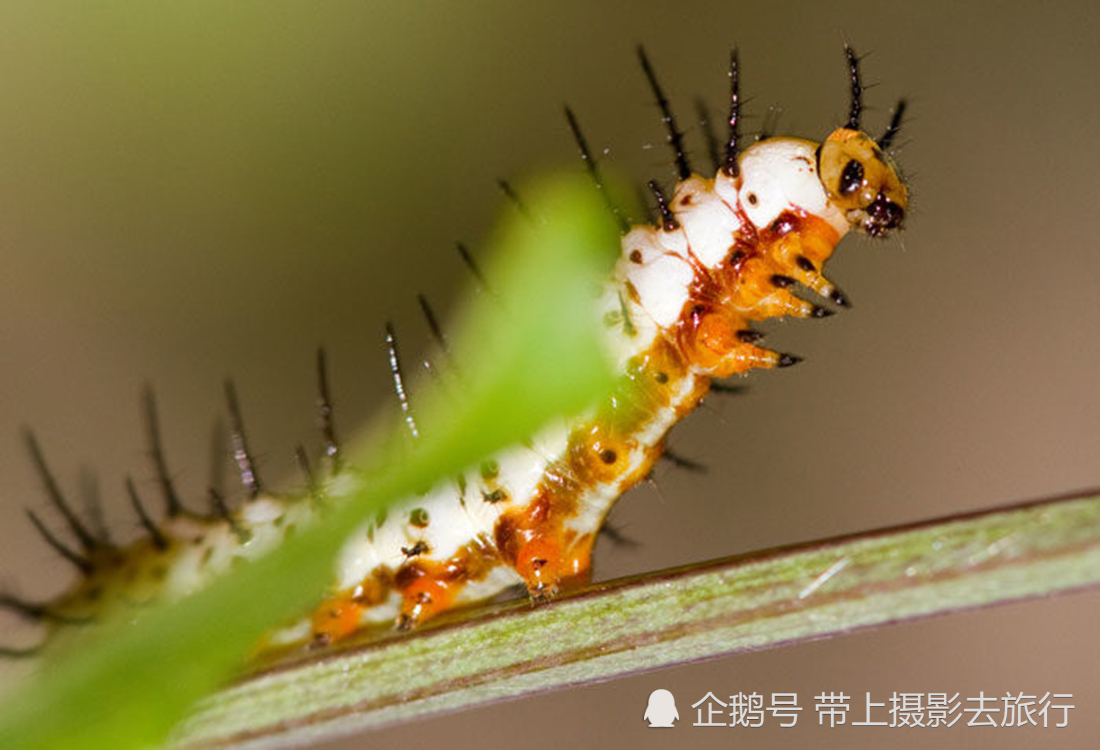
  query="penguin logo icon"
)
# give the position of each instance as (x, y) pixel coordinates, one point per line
(661, 711)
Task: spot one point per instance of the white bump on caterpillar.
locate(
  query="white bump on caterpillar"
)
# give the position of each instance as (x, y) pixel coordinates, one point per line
(779, 174)
(638, 330)
(706, 220)
(663, 279)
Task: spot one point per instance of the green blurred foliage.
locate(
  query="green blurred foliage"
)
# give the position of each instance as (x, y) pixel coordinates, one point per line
(531, 352)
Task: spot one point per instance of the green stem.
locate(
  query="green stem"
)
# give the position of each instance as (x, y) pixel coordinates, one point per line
(756, 601)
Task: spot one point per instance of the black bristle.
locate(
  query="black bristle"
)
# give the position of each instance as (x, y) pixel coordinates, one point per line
(616, 536)
(468, 260)
(892, 130)
(433, 323)
(241, 454)
(594, 170)
(27, 610)
(856, 107)
(399, 379)
(155, 534)
(325, 412)
(419, 548)
(53, 491)
(83, 564)
(681, 462)
(172, 504)
(675, 137)
(668, 219)
(307, 473)
(728, 389)
(511, 194)
(221, 509)
(731, 166)
(37, 611)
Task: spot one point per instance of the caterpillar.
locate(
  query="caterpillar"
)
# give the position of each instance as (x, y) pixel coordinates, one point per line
(678, 309)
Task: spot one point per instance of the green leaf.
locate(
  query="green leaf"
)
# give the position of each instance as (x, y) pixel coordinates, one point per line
(526, 354)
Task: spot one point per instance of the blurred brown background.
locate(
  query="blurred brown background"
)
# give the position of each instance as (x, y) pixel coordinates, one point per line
(187, 193)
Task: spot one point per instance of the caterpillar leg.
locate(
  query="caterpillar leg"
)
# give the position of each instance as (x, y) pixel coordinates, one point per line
(336, 618)
(548, 557)
(344, 612)
(550, 564)
(758, 289)
(801, 246)
(425, 597)
(716, 342)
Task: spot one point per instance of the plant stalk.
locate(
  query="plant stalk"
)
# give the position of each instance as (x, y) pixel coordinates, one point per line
(751, 602)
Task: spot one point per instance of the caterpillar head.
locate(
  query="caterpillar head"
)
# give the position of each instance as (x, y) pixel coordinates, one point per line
(862, 181)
